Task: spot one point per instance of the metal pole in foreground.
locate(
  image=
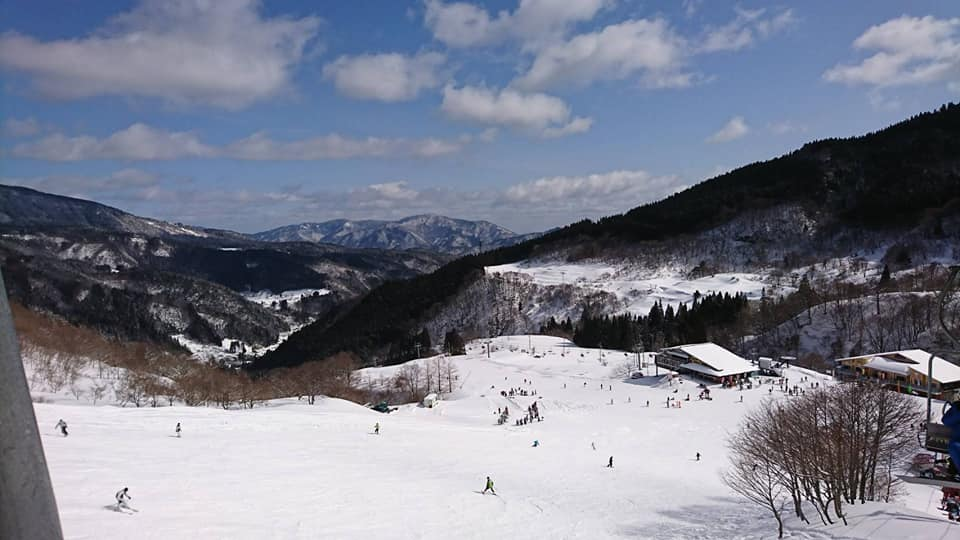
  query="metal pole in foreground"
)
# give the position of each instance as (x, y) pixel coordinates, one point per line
(29, 509)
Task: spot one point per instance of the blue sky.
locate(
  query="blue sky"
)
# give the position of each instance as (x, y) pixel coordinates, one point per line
(531, 114)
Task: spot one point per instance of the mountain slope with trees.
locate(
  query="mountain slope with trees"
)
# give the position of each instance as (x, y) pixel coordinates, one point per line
(424, 232)
(902, 180)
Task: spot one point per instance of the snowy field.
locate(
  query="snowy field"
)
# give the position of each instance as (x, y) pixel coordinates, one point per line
(638, 288)
(267, 298)
(291, 470)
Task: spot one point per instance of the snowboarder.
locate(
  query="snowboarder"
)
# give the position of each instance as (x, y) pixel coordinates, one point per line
(698, 456)
(489, 486)
(376, 428)
(122, 497)
(536, 443)
(610, 463)
(62, 426)
(178, 430)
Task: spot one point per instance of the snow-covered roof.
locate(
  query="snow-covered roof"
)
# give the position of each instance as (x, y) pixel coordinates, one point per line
(706, 370)
(910, 360)
(720, 361)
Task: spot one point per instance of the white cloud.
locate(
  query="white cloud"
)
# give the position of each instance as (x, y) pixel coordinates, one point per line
(137, 142)
(577, 125)
(533, 113)
(611, 192)
(533, 22)
(910, 50)
(261, 147)
(385, 77)
(142, 142)
(745, 29)
(647, 47)
(219, 53)
(14, 127)
(732, 130)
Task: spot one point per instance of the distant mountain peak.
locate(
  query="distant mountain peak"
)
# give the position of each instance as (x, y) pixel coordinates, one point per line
(427, 232)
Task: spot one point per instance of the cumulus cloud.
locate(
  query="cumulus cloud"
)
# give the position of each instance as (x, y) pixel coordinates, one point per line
(732, 130)
(137, 142)
(224, 54)
(259, 146)
(745, 29)
(386, 77)
(140, 142)
(15, 127)
(533, 22)
(605, 190)
(646, 47)
(909, 50)
(534, 113)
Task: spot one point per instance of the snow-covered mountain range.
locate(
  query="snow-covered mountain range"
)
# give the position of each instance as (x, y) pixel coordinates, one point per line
(423, 232)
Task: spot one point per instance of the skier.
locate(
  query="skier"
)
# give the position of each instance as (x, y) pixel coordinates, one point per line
(593, 445)
(698, 456)
(376, 428)
(122, 498)
(610, 463)
(536, 443)
(178, 430)
(62, 426)
(489, 486)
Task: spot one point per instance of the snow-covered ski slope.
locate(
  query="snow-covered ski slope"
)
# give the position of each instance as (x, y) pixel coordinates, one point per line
(638, 288)
(291, 470)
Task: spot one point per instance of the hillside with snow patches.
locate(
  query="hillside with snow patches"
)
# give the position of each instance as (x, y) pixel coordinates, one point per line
(424, 232)
(290, 470)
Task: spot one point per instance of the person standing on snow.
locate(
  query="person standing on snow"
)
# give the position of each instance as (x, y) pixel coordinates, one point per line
(62, 426)
(376, 428)
(488, 486)
(122, 497)
(178, 430)
(610, 463)
(698, 456)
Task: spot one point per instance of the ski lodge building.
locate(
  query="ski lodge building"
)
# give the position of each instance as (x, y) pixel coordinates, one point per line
(707, 361)
(906, 371)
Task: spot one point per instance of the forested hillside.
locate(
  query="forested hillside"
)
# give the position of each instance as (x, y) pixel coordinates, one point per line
(904, 177)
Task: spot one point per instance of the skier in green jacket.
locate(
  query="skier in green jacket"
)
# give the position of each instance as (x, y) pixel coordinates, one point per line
(489, 486)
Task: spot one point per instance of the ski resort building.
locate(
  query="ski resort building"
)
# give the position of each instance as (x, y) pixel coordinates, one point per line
(905, 371)
(707, 361)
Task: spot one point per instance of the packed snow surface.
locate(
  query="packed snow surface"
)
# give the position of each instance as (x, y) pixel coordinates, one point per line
(638, 288)
(291, 470)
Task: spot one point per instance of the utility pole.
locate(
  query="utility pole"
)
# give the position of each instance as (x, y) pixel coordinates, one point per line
(29, 509)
